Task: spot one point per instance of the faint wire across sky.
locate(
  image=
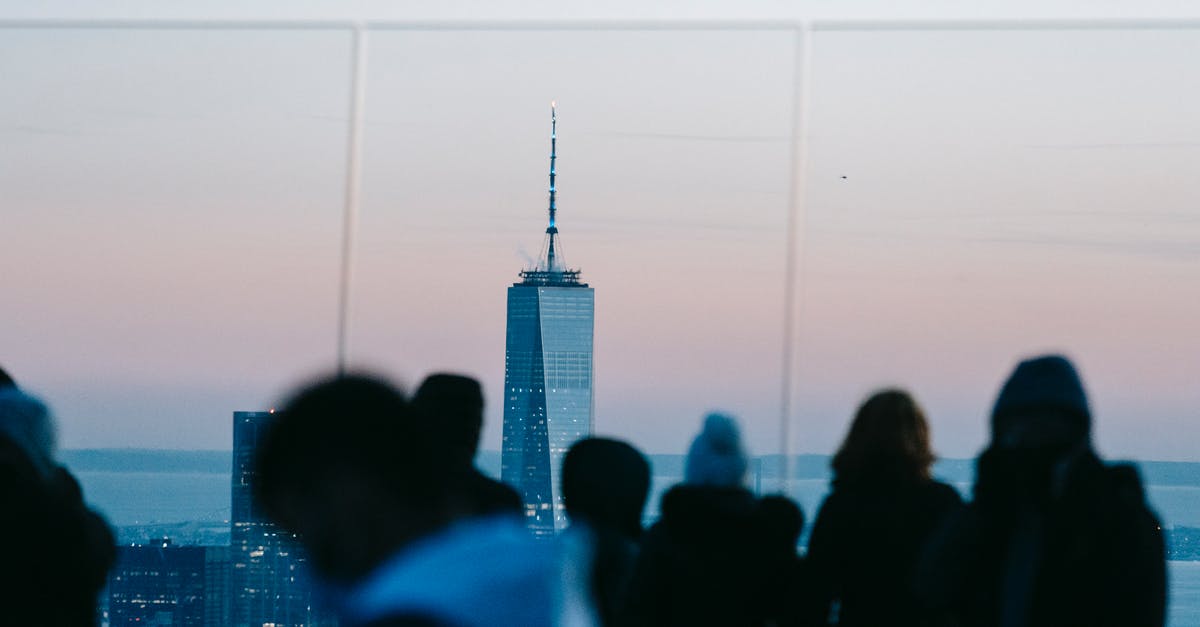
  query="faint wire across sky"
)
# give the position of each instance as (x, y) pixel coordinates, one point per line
(797, 137)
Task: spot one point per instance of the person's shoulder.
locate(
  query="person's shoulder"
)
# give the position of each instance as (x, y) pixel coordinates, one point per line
(835, 501)
(690, 497)
(1118, 483)
(407, 620)
(494, 496)
(1125, 480)
(1128, 493)
(943, 493)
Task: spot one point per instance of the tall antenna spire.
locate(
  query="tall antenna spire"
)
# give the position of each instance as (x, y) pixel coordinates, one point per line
(550, 268)
(552, 230)
(553, 156)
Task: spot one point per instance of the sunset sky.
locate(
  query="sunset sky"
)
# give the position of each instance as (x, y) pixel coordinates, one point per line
(170, 211)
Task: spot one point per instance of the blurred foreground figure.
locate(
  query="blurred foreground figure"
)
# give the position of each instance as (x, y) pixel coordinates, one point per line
(1054, 537)
(783, 521)
(57, 552)
(6, 380)
(347, 466)
(871, 528)
(450, 407)
(710, 559)
(605, 485)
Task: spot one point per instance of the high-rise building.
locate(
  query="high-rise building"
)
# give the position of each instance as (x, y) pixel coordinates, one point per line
(218, 601)
(163, 584)
(547, 373)
(269, 581)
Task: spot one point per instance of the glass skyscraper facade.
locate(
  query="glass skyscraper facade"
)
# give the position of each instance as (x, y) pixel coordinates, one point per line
(268, 578)
(548, 392)
(163, 584)
(547, 375)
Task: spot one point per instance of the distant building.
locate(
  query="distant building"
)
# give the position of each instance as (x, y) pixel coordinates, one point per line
(162, 584)
(218, 603)
(268, 581)
(547, 374)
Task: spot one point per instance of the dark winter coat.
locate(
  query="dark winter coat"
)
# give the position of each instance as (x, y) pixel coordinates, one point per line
(57, 552)
(613, 558)
(705, 562)
(487, 497)
(864, 546)
(1086, 554)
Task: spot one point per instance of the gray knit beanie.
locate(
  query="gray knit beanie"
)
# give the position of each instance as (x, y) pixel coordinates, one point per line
(716, 457)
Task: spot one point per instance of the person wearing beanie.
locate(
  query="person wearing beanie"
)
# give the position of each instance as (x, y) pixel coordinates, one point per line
(605, 483)
(710, 558)
(1053, 535)
(883, 506)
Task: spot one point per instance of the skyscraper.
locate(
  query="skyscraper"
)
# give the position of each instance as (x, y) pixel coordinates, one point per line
(163, 584)
(547, 373)
(268, 577)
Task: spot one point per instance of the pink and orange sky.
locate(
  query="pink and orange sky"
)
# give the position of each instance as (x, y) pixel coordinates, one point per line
(172, 206)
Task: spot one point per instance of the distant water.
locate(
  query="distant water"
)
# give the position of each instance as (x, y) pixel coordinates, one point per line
(147, 498)
(1184, 601)
(1176, 505)
(141, 498)
(132, 498)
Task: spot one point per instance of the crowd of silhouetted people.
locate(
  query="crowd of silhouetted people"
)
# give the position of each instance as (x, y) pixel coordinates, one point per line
(401, 529)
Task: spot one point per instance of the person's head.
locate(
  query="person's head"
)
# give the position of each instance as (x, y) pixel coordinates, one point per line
(6, 380)
(26, 422)
(450, 407)
(345, 466)
(783, 520)
(889, 438)
(605, 483)
(716, 457)
(1042, 405)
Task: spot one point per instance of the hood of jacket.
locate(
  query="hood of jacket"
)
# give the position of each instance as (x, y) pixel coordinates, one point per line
(485, 571)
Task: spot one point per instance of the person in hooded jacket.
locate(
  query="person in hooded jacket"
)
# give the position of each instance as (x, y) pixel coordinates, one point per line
(1054, 537)
(871, 528)
(708, 560)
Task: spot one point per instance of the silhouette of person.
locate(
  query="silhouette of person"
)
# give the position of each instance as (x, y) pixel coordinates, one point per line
(783, 522)
(605, 484)
(870, 530)
(58, 552)
(6, 380)
(347, 466)
(706, 561)
(1053, 536)
(450, 407)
